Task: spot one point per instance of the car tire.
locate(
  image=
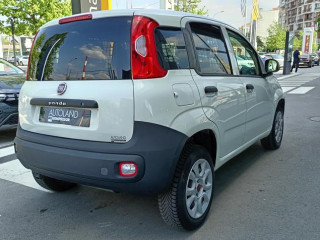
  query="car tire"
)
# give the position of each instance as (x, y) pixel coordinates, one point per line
(274, 139)
(193, 184)
(21, 63)
(52, 184)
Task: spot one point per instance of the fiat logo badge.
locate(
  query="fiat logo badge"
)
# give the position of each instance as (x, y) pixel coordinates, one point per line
(62, 88)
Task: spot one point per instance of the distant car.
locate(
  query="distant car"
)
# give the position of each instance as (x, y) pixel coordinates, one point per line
(277, 57)
(11, 59)
(306, 60)
(23, 61)
(11, 80)
(315, 58)
(264, 57)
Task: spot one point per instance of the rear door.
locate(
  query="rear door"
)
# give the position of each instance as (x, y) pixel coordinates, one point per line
(222, 94)
(79, 84)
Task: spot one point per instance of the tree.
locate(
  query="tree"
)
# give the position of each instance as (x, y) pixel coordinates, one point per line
(190, 6)
(314, 44)
(276, 37)
(260, 44)
(297, 41)
(30, 15)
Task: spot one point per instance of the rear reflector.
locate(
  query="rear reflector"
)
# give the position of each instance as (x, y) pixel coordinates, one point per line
(128, 169)
(75, 18)
(144, 58)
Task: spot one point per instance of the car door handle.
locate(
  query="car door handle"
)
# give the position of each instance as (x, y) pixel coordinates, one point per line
(210, 89)
(249, 87)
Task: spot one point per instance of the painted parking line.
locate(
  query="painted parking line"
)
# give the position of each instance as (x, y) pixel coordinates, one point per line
(286, 89)
(6, 151)
(13, 171)
(301, 90)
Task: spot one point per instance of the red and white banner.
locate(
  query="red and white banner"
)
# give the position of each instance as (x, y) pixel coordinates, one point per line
(307, 40)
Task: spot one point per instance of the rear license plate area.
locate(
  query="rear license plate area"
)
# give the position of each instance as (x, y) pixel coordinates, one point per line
(65, 116)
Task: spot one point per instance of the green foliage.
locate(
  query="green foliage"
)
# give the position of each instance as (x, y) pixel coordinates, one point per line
(297, 41)
(276, 37)
(30, 15)
(190, 6)
(314, 44)
(261, 46)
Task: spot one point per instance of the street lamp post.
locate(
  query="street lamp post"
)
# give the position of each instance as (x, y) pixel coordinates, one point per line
(13, 42)
(217, 13)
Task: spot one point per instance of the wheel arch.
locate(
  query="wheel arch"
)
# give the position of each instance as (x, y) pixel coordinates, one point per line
(281, 104)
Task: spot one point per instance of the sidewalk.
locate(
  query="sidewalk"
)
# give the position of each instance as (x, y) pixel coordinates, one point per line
(280, 76)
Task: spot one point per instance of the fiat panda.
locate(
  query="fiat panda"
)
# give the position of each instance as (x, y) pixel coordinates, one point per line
(145, 101)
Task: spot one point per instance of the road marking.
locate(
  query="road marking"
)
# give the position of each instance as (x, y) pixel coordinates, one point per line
(294, 81)
(13, 171)
(6, 151)
(286, 89)
(289, 76)
(290, 85)
(301, 90)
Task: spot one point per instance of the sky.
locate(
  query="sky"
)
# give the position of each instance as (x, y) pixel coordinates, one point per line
(232, 10)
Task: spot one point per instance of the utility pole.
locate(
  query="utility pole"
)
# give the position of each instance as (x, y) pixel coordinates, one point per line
(13, 42)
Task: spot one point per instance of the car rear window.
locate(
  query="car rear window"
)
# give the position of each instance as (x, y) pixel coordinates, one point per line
(171, 48)
(96, 49)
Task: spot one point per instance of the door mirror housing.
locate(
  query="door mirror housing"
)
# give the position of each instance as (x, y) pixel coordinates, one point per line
(271, 65)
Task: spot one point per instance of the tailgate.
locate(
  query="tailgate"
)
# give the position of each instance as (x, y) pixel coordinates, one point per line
(80, 83)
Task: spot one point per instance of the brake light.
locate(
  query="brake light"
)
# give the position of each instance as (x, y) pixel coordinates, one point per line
(34, 39)
(144, 59)
(75, 18)
(128, 169)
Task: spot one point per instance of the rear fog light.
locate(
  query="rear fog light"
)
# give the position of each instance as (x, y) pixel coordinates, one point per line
(128, 169)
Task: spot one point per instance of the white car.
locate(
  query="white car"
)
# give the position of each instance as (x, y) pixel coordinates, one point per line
(23, 61)
(154, 108)
(277, 57)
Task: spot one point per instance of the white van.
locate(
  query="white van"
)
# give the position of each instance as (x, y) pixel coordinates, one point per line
(145, 101)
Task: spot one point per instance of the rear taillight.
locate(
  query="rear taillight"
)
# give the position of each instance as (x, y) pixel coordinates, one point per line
(34, 39)
(75, 18)
(144, 59)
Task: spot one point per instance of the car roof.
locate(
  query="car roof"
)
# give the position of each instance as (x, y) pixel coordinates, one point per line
(164, 17)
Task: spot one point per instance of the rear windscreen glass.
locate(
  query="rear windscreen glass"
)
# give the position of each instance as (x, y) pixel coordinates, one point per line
(96, 49)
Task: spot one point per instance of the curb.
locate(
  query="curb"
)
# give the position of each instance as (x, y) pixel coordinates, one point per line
(289, 76)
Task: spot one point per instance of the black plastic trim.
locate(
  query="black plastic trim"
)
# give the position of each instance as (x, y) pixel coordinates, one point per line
(154, 148)
(56, 102)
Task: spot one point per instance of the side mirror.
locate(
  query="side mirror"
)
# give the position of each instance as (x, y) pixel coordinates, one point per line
(271, 65)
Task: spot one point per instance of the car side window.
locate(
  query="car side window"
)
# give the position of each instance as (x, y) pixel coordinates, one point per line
(210, 49)
(171, 48)
(245, 55)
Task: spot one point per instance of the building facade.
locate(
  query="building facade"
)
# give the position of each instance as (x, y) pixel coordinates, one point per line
(298, 14)
(265, 20)
(22, 46)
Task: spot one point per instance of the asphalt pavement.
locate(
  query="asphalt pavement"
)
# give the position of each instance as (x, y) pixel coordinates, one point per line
(259, 194)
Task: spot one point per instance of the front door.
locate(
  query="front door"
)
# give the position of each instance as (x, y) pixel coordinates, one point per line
(258, 92)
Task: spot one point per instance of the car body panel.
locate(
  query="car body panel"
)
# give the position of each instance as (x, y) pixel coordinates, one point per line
(174, 108)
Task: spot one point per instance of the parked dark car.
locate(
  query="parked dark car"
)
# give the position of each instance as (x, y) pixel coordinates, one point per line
(306, 60)
(11, 80)
(315, 58)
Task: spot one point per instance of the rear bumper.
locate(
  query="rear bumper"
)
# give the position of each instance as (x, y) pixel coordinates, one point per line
(155, 149)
